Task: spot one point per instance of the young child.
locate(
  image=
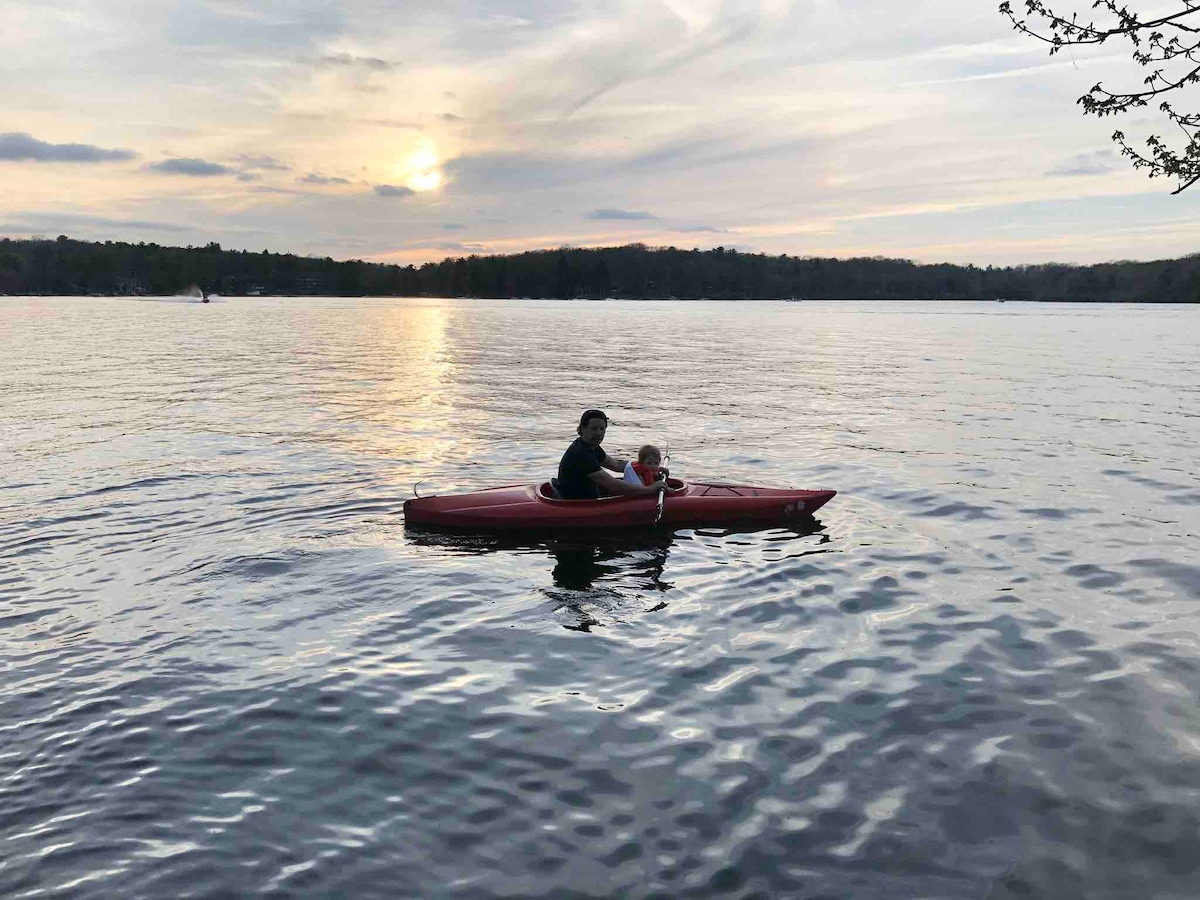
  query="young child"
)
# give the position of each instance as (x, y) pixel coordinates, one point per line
(646, 470)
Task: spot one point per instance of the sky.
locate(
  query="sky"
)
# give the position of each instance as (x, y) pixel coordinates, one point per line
(407, 132)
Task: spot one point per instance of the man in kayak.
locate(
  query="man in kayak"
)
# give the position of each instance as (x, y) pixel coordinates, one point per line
(581, 473)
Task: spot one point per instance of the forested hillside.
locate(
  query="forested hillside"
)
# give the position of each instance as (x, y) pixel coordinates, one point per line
(66, 266)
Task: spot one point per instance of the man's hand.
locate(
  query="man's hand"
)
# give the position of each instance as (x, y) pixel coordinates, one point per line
(617, 487)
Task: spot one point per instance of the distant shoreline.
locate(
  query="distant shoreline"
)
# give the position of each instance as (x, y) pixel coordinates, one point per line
(69, 268)
(180, 299)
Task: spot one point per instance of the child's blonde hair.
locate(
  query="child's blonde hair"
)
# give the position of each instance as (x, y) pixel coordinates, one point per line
(646, 451)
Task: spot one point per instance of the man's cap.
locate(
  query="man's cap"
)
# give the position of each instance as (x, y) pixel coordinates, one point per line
(589, 414)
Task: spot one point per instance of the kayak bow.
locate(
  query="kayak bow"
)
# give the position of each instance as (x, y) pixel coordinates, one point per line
(693, 505)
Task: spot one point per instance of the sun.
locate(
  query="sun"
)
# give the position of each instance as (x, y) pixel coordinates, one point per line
(421, 168)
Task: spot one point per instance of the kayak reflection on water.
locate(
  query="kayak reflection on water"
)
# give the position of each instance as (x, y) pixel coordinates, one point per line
(603, 579)
(578, 565)
(596, 579)
(600, 582)
(635, 558)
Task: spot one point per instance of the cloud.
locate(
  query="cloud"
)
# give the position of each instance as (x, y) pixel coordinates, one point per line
(716, 37)
(508, 173)
(704, 147)
(198, 168)
(76, 222)
(701, 229)
(1098, 162)
(18, 146)
(716, 148)
(455, 247)
(391, 190)
(393, 123)
(450, 117)
(620, 214)
(263, 28)
(452, 226)
(313, 178)
(262, 163)
(346, 60)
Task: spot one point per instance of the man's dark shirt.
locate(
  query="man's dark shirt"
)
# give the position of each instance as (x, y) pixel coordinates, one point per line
(580, 461)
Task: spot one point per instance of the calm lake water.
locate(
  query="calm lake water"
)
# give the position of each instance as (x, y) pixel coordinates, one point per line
(230, 671)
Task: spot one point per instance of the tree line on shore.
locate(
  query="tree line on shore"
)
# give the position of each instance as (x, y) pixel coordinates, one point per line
(70, 267)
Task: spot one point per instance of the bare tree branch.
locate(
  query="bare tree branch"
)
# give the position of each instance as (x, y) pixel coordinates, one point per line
(1169, 45)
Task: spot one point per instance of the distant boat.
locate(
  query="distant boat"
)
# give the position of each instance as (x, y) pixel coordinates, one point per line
(193, 294)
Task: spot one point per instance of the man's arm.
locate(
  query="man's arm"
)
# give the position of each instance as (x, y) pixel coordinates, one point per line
(611, 485)
(616, 465)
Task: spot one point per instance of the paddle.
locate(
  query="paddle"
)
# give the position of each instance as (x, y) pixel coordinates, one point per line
(662, 490)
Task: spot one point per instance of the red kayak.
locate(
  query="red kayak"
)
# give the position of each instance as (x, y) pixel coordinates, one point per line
(694, 505)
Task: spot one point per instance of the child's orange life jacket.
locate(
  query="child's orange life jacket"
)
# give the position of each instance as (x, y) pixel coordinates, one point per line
(648, 474)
